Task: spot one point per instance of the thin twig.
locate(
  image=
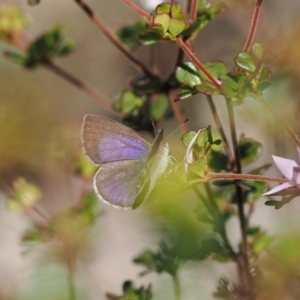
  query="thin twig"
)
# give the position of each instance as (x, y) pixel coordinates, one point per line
(217, 217)
(176, 286)
(198, 63)
(253, 26)
(220, 129)
(109, 34)
(194, 8)
(23, 43)
(136, 8)
(178, 112)
(246, 277)
(84, 87)
(250, 177)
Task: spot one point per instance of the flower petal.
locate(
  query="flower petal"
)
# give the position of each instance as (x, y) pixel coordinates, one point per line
(298, 152)
(279, 188)
(296, 175)
(285, 166)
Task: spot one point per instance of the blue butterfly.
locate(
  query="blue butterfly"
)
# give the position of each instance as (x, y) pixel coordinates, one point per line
(130, 165)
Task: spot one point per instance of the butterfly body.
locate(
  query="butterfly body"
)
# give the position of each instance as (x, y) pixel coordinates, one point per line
(130, 165)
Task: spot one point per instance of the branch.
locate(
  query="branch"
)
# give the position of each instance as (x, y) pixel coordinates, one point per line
(109, 34)
(84, 87)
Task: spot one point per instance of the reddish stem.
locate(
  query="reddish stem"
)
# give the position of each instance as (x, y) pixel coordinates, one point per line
(197, 62)
(252, 177)
(194, 10)
(109, 34)
(178, 112)
(253, 26)
(136, 8)
(84, 87)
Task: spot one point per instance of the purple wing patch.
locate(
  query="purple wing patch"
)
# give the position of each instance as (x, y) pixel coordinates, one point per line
(115, 148)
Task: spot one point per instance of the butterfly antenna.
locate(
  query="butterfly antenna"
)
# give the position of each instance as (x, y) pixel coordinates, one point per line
(153, 127)
(185, 121)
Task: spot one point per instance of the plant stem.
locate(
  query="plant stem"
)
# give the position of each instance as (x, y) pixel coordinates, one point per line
(220, 129)
(253, 26)
(178, 112)
(245, 276)
(136, 8)
(251, 177)
(176, 286)
(198, 63)
(194, 10)
(84, 87)
(109, 34)
(217, 217)
(22, 43)
(71, 286)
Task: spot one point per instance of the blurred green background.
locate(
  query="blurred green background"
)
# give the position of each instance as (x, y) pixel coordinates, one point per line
(40, 121)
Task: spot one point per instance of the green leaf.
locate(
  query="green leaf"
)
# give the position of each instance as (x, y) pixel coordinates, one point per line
(217, 9)
(67, 48)
(151, 37)
(204, 4)
(145, 84)
(262, 243)
(263, 79)
(229, 91)
(16, 57)
(163, 8)
(176, 27)
(165, 260)
(253, 230)
(48, 46)
(226, 290)
(186, 92)
(90, 206)
(193, 29)
(130, 292)
(12, 21)
(263, 85)
(187, 137)
(218, 161)
(188, 73)
(198, 167)
(257, 188)
(229, 81)
(32, 235)
(206, 13)
(250, 151)
(176, 11)
(206, 89)
(84, 167)
(162, 20)
(130, 35)
(264, 74)
(215, 68)
(245, 61)
(258, 50)
(25, 195)
(33, 2)
(127, 101)
(159, 107)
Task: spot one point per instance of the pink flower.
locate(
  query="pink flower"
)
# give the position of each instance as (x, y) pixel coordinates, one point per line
(290, 170)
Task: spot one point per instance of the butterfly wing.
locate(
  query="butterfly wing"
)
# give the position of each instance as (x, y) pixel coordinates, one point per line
(117, 183)
(130, 165)
(105, 141)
